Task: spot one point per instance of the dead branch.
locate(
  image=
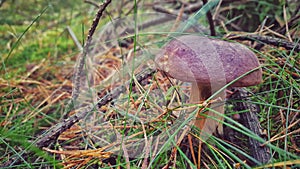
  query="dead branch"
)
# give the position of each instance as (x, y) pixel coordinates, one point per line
(268, 40)
(249, 119)
(79, 68)
(52, 134)
(210, 21)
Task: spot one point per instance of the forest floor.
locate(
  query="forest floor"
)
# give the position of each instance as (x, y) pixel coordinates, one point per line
(41, 42)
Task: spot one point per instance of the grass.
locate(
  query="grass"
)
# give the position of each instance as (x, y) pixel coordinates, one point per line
(38, 57)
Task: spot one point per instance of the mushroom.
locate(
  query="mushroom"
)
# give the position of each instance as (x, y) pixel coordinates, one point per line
(209, 64)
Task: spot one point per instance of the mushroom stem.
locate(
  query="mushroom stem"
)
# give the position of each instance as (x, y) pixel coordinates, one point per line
(207, 126)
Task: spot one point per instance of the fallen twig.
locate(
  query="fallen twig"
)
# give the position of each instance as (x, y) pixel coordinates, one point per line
(250, 120)
(210, 21)
(81, 61)
(51, 135)
(268, 40)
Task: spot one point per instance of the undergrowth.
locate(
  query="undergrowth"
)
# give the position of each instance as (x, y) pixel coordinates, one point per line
(37, 65)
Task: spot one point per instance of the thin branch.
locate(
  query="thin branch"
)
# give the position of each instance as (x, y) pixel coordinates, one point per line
(82, 58)
(268, 40)
(210, 21)
(79, 68)
(52, 134)
(95, 4)
(56, 130)
(188, 9)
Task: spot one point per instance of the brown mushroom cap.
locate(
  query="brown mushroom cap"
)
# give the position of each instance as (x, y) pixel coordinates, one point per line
(183, 58)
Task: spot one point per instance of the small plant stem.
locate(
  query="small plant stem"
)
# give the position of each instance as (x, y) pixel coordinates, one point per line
(210, 21)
